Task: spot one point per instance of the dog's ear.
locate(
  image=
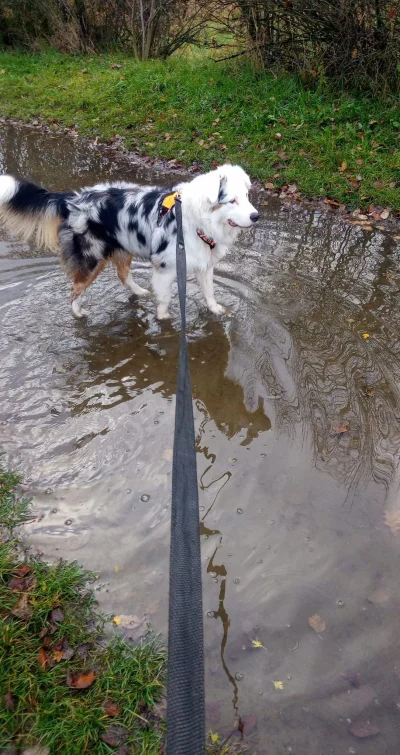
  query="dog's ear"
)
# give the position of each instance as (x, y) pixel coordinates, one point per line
(215, 186)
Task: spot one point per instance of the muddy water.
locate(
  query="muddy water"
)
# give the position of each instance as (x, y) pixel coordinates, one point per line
(296, 516)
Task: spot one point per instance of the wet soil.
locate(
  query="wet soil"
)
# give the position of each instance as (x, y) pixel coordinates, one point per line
(297, 411)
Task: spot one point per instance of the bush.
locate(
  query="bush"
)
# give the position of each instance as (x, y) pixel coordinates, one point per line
(146, 28)
(355, 43)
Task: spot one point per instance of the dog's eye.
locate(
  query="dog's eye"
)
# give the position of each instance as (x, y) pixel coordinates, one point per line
(232, 201)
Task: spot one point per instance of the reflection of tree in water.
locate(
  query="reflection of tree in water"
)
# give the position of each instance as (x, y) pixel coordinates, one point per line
(325, 370)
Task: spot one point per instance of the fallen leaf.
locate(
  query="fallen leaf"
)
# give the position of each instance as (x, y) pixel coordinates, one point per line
(343, 167)
(269, 185)
(291, 189)
(381, 595)
(128, 622)
(363, 729)
(58, 655)
(80, 681)
(278, 137)
(57, 615)
(365, 336)
(22, 609)
(277, 685)
(214, 738)
(282, 155)
(3, 70)
(115, 735)
(43, 659)
(116, 65)
(317, 623)
(22, 570)
(392, 519)
(38, 750)
(201, 142)
(84, 70)
(257, 644)
(340, 430)
(385, 214)
(117, 569)
(8, 699)
(111, 709)
(332, 202)
(83, 650)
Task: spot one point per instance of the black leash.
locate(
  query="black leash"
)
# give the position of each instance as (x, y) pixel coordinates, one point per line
(185, 711)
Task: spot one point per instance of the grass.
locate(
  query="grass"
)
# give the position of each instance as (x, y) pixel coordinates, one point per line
(338, 145)
(61, 686)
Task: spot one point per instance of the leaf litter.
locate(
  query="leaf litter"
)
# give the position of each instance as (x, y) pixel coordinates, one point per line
(316, 623)
(80, 681)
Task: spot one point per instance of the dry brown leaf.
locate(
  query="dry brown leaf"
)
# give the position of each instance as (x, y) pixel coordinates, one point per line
(363, 729)
(115, 735)
(43, 659)
(111, 709)
(57, 615)
(317, 623)
(269, 185)
(22, 609)
(341, 429)
(22, 570)
(278, 137)
(392, 519)
(80, 681)
(381, 595)
(343, 167)
(385, 214)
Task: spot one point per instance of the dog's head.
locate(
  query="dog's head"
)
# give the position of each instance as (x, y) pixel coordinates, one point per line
(227, 190)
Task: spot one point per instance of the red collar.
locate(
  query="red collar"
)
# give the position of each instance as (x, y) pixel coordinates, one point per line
(203, 237)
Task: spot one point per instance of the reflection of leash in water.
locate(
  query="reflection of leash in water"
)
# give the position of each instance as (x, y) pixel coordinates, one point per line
(225, 620)
(228, 476)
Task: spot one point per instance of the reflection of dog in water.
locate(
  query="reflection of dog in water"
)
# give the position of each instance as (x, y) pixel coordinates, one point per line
(117, 221)
(217, 396)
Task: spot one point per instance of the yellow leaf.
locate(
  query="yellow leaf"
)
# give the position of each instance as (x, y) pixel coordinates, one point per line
(3, 70)
(214, 738)
(278, 685)
(354, 53)
(117, 620)
(365, 335)
(257, 644)
(117, 569)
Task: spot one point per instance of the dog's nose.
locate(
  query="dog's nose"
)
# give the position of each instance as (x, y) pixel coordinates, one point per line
(254, 216)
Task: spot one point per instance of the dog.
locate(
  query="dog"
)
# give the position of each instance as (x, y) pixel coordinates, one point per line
(114, 222)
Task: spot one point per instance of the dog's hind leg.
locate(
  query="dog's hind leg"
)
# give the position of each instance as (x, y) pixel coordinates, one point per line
(162, 285)
(80, 283)
(123, 265)
(206, 283)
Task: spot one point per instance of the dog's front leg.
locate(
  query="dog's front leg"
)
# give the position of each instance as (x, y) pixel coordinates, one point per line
(206, 283)
(163, 279)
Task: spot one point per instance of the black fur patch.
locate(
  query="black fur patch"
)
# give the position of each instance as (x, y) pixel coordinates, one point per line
(141, 239)
(34, 199)
(162, 246)
(149, 201)
(108, 214)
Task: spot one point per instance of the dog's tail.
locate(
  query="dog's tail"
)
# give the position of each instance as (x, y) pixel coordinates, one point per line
(31, 212)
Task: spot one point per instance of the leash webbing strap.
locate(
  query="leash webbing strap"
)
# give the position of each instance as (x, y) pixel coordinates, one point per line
(185, 689)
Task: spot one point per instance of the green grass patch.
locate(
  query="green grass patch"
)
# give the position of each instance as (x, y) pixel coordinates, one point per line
(194, 109)
(61, 685)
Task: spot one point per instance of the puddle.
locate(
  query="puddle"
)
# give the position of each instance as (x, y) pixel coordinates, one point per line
(293, 513)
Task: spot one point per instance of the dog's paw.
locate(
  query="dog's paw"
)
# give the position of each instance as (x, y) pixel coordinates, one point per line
(78, 311)
(139, 291)
(163, 315)
(217, 309)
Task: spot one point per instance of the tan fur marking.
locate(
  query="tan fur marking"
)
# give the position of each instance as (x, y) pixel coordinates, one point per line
(82, 282)
(42, 229)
